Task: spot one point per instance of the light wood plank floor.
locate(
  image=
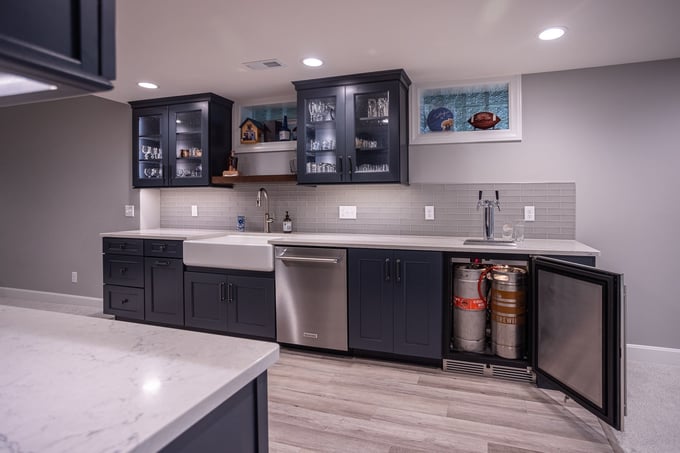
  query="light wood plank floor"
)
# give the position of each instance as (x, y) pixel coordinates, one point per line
(326, 403)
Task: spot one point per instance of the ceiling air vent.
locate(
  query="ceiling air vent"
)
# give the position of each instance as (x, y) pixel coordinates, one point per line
(264, 64)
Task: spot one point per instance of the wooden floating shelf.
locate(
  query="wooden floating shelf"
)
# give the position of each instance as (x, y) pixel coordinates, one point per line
(229, 181)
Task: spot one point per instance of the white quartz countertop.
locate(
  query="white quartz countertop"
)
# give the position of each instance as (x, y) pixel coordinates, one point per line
(440, 243)
(80, 384)
(378, 241)
(179, 234)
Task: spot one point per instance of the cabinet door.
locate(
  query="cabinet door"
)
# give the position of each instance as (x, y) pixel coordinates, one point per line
(150, 147)
(578, 334)
(370, 311)
(188, 144)
(251, 306)
(164, 291)
(418, 304)
(205, 301)
(321, 136)
(373, 120)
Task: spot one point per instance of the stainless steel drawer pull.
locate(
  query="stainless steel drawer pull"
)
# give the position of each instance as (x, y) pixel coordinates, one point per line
(304, 259)
(124, 301)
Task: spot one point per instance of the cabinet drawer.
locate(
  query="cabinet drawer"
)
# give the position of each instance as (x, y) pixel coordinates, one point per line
(163, 248)
(123, 246)
(124, 270)
(124, 301)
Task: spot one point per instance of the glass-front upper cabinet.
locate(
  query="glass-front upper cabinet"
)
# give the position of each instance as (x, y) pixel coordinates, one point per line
(355, 128)
(322, 138)
(150, 131)
(180, 141)
(189, 123)
(375, 131)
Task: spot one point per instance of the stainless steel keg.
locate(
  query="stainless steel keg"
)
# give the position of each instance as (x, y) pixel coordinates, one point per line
(469, 309)
(508, 311)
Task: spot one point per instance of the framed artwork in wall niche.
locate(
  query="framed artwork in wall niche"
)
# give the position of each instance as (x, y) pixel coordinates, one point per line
(488, 110)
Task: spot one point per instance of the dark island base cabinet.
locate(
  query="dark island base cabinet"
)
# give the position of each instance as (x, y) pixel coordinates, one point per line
(239, 425)
(235, 304)
(395, 302)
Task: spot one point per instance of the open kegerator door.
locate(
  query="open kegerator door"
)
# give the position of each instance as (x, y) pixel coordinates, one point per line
(579, 334)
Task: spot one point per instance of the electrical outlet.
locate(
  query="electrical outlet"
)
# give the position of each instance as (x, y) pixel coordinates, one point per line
(529, 213)
(194, 210)
(129, 210)
(429, 212)
(347, 212)
(74, 277)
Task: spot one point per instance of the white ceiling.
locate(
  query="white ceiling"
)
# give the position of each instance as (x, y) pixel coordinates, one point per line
(199, 45)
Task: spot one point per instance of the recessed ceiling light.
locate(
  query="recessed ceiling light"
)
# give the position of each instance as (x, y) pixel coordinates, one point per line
(149, 85)
(552, 33)
(312, 62)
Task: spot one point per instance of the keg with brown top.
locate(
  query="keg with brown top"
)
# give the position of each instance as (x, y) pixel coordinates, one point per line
(508, 311)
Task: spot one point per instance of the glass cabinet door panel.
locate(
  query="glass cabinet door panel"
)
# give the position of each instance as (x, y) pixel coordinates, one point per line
(150, 146)
(320, 135)
(372, 132)
(189, 143)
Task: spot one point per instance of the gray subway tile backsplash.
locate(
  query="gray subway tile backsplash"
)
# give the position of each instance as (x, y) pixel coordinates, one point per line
(385, 209)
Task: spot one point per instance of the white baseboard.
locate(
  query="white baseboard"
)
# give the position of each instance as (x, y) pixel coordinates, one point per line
(655, 354)
(44, 296)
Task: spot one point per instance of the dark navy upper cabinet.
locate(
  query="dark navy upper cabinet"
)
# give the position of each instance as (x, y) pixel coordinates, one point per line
(180, 141)
(395, 302)
(66, 45)
(353, 129)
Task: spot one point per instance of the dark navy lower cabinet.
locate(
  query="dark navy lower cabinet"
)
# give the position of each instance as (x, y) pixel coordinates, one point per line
(395, 302)
(237, 304)
(164, 290)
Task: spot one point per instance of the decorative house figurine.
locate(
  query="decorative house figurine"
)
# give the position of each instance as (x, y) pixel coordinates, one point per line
(251, 131)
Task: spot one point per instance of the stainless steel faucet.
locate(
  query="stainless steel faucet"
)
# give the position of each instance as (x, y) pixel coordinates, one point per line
(488, 206)
(268, 219)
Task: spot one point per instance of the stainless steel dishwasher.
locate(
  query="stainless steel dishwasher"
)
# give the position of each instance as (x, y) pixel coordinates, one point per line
(311, 296)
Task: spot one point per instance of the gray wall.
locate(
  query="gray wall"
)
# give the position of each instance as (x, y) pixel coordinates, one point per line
(65, 179)
(614, 132)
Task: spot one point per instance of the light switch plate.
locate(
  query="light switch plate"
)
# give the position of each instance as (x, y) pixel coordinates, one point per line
(529, 213)
(194, 210)
(129, 210)
(429, 212)
(347, 212)
(74, 277)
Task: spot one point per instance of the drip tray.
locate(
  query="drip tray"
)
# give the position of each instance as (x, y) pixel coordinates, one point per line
(491, 242)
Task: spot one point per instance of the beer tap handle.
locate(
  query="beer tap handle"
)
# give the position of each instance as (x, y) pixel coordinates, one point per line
(479, 201)
(498, 203)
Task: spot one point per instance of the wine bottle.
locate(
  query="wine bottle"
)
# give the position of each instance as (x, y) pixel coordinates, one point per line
(284, 133)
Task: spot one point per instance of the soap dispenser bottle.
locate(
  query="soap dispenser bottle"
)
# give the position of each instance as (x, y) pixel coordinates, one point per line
(287, 224)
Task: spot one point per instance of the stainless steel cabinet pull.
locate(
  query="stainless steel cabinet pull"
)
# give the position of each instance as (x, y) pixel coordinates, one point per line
(305, 259)
(222, 297)
(162, 263)
(397, 266)
(388, 274)
(122, 246)
(163, 247)
(123, 270)
(349, 170)
(340, 165)
(230, 293)
(124, 301)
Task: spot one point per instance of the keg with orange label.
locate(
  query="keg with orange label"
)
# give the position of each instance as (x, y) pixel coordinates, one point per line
(469, 308)
(508, 311)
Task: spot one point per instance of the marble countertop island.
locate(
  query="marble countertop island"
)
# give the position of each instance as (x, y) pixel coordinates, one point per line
(80, 384)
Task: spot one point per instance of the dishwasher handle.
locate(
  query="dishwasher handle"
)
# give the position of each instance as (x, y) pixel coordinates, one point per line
(308, 259)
